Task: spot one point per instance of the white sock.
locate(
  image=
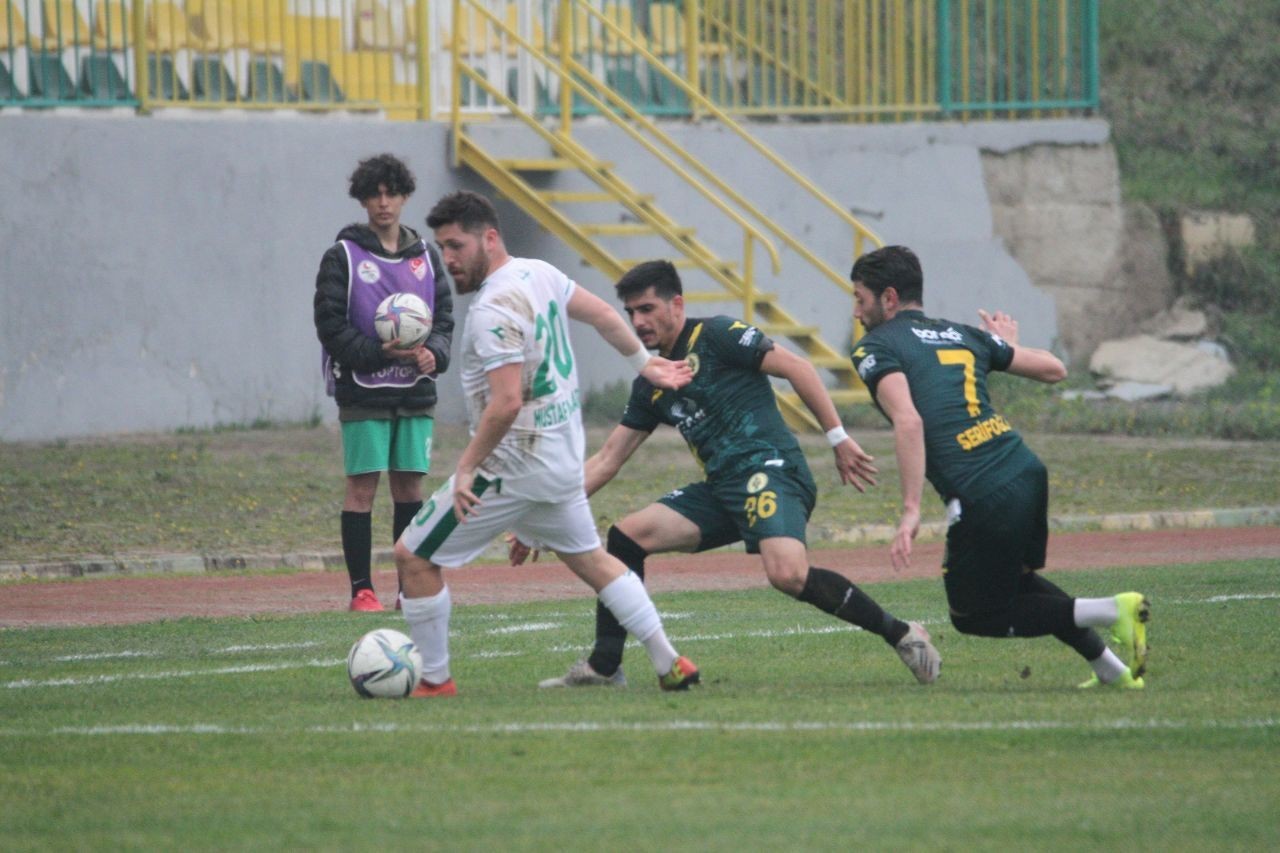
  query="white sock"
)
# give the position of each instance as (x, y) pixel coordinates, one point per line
(1096, 612)
(629, 602)
(1108, 667)
(428, 620)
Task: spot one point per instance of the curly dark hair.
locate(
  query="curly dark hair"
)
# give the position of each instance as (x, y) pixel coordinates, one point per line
(470, 211)
(383, 170)
(891, 266)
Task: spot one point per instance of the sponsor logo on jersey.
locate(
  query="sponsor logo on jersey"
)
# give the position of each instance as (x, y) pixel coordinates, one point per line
(368, 271)
(867, 365)
(673, 494)
(932, 336)
(983, 431)
(694, 362)
(499, 333)
(757, 482)
(419, 268)
(748, 337)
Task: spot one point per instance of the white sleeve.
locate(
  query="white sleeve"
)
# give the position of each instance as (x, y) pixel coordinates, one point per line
(499, 336)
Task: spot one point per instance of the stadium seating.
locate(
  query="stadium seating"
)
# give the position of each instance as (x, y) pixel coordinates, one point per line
(47, 77)
(266, 83)
(9, 90)
(620, 15)
(112, 25)
(218, 25)
(13, 30)
(316, 83)
(167, 27)
(64, 26)
(665, 93)
(624, 80)
(374, 29)
(210, 80)
(266, 26)
(163, 81)
(101, 80)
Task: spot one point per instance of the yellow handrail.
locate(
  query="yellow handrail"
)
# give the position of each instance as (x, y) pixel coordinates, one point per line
(703, 104)
(569, 73)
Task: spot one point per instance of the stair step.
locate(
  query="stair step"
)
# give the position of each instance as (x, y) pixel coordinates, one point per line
(832, 362)
(685, 263)
(711, 296)
(573, 196)
(788, 330)
(619, 229)
(546, 164)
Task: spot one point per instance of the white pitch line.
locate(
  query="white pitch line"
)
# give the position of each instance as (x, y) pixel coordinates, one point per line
(594, 727)
(85, 681)
(526, 627)
(105, 656)
(269, 647)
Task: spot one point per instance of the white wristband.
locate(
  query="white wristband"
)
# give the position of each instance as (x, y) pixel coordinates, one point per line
(836, 434)
(638, 359)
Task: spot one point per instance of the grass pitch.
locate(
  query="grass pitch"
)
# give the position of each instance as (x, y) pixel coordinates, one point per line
(243, 733)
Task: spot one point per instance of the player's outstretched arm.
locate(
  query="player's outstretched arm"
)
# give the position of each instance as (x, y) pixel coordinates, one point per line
(586, 307)
(853, 463)
(605, 463)
(1028, 362)
(894, 396)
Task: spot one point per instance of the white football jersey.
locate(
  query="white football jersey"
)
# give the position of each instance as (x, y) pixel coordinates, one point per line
(520, 314)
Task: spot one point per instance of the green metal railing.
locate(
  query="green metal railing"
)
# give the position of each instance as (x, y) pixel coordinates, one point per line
(851, 60)
(214, 54)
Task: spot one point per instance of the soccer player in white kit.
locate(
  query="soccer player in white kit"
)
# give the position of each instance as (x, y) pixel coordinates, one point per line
(523, 467)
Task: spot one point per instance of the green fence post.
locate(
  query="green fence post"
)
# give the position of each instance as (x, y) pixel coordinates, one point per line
(1090, 57)
(944, 57)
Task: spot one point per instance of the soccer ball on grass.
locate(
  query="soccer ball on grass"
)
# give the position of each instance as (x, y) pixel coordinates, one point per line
(404, 317)
(384, 664)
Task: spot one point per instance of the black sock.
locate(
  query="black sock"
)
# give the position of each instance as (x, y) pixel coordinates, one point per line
(835, 594)
(1044, 608)
(611, 637)
(404, 513)
(357, 542)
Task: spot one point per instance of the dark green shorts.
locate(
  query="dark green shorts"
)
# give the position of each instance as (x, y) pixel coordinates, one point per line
(997, 540)
(771, 501)
(387, 444)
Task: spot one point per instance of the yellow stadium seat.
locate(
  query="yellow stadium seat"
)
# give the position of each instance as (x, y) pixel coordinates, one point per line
(214, 25)
(620, 15)
(665, 28)
(167, 28)
(266, 25)
(375, 29)
(13, 30)
(64, 26)
(537, 36)
(583, 37)
(473, 34)
(112, 25)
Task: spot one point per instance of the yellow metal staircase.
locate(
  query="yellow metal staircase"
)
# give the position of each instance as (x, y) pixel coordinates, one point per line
(617, 209)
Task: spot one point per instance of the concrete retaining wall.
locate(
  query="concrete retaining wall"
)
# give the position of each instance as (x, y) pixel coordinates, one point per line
(158, 272)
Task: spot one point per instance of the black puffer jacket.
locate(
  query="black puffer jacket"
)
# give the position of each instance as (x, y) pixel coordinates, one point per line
(353, 349)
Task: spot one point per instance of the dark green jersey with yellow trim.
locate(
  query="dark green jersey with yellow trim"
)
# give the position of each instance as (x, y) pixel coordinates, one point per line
(728, 414)
(969, 448)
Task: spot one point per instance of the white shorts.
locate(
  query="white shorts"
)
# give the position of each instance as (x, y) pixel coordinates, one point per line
(435, 534)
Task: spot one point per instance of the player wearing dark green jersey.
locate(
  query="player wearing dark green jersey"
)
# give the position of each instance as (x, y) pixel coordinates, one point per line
(758, 488)
(929, 378)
